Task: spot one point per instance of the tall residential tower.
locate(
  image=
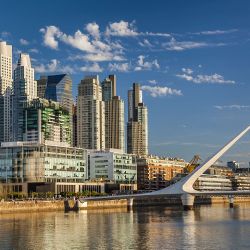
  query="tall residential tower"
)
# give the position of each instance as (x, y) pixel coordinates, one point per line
(5, 91)
(137, 126)
(90, 114)
(114, 115)
(25, 89)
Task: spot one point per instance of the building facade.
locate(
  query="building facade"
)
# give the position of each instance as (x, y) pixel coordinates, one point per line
(155, 172)
(209, 182)
(25, 89)
(32, 162)
(114, 115)
(57, 88)
(5, 91)
(113, 165)
(46, 120)
(137, 126)
(90, 114)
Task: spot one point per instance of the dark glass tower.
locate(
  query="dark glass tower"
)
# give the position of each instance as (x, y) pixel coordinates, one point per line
(57, 88)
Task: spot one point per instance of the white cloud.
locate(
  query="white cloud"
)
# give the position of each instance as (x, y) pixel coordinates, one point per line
(215, 32)
(145, 43)
(53, 66)
(100, 57)
(95, 67)
(50, 33)
(187, 71)
(34, 50)
(156, 34)
(184, 45)
(79, 41)
(144, 65)
(157, 91)
(122, 67)
(215, 78)
(152, 81)
(231, 107)
(95, 49)
(121, 28)
(23, 42)
(93, 30)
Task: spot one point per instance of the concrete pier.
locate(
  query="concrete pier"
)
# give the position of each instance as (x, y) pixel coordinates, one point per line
(231, 201)
(187, 201)
(130, 202)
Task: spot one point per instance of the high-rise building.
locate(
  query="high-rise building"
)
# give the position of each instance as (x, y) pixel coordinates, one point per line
(46, 121)
(114, 115)
(90, 114)
(57, 88)
(137, 126)
(25, 89)
(5, 91)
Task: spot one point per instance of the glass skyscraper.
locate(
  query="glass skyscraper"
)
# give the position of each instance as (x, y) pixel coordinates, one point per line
(57, 88)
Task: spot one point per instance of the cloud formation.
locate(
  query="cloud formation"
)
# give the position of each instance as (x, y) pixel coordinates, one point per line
(146, 65)
(152, 81)
(23, 42)
(173, 44)
(93, 30)
(232, 107)
(214, 78)
(50, 33)
(215, 32)
(95, 68)
(121, 28)
(54, 66)
(121, 67)
(158, 91)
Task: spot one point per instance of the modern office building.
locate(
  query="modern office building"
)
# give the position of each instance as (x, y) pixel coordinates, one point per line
(46, 120)
(90, 114)
(137, 126)
(154, 173)
(114, 115)
(5, 91)
(27, 165)
(115, 166)
(57, 88)
(25, 89)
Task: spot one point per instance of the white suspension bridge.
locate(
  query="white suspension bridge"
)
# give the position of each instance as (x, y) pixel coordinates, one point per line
(184, 187)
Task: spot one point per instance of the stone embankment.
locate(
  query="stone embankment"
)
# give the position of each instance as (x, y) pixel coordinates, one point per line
(67, 205)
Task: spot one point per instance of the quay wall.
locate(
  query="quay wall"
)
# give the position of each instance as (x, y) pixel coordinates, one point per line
(59, 205)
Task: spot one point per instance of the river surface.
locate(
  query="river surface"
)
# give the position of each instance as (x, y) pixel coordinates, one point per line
(207, 227)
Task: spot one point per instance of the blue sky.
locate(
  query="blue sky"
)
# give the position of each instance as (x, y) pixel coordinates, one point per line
(191, 57)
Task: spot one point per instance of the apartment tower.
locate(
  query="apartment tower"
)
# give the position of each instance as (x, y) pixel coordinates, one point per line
(90, 114)
(5, 91)
(25, 89)
(137, 126)
(114, 115)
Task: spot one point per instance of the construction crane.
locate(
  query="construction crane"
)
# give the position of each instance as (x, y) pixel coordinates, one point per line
(193, 164)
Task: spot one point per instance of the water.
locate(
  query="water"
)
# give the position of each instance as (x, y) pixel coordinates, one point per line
(208, 227)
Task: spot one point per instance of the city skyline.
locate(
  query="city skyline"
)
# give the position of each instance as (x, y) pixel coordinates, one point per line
(198, 71)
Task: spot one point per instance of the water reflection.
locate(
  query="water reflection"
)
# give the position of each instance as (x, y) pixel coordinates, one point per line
(207, 227)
